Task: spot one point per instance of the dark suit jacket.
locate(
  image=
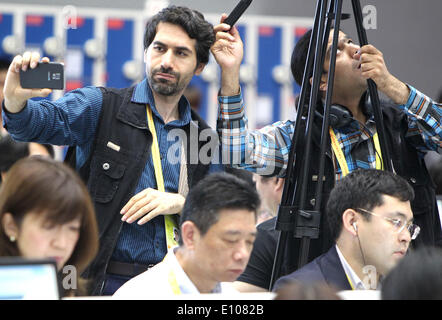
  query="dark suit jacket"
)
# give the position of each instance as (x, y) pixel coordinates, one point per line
(326, 268)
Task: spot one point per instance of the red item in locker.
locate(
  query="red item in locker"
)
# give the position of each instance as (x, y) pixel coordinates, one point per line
(35, 21)
(115, 24)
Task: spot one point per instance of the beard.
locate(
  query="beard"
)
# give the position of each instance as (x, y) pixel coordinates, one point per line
(166, 87)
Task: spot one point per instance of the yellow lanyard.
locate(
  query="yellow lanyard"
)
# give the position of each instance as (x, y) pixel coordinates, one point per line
(173, 282)
(341, 158)
(170, 221)
(349, 281)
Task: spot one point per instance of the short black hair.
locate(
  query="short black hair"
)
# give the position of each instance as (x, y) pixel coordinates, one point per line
(364, 189)
(191, 21)
(216, 192)
(11, 151)
(242, 174)
(418, 276)
(299, 57)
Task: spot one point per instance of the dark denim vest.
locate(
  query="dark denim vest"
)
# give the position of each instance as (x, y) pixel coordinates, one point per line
(112, 176)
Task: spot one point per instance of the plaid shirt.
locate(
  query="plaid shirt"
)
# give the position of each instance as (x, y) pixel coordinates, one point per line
(266, 151)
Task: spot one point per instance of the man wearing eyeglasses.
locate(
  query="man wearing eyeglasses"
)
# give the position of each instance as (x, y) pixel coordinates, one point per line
(370, 218)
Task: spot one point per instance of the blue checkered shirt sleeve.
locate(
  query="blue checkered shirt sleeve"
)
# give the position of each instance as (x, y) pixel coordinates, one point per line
(263, 151)
(424, 121)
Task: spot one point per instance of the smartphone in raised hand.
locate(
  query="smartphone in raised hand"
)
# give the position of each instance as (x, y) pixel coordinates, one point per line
(46, 75)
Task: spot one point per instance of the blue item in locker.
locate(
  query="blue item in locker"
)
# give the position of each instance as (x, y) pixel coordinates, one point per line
(119, 50)
(202, 86)
(5, 30)
(243, 35)
(269, 49)
(38, 29)
(76, 39)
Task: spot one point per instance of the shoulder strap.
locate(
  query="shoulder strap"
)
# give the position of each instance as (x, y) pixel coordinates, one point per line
(195, 171)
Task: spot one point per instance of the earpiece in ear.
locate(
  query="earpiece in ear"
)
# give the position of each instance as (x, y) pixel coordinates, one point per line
(355, 226)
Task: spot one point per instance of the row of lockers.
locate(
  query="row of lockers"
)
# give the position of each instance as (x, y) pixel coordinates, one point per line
(105, 47)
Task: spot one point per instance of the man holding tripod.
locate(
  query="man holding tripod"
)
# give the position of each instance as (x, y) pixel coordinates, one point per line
(412, 123)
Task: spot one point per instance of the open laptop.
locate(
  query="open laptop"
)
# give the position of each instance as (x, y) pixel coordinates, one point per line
(28, 279)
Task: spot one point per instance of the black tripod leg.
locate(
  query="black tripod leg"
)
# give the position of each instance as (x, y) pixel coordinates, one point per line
(329, 94)
(321, 46)
(294, 163)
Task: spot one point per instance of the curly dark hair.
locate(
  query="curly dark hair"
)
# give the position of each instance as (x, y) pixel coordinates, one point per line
(191, 21)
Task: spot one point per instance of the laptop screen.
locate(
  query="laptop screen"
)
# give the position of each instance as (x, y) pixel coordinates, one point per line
(28, 279)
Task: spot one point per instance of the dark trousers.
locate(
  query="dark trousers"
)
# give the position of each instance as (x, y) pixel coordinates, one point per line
(112, 283)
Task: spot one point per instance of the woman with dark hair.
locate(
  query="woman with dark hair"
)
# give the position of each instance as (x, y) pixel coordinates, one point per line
(46, 212)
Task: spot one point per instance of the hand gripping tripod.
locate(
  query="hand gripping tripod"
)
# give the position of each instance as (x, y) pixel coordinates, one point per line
(293, 218)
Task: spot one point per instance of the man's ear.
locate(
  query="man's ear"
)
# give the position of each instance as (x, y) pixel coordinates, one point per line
(322, 84)
(349, 221)
(279, 184)
(9, 225)
(199, 68)
(189, 234)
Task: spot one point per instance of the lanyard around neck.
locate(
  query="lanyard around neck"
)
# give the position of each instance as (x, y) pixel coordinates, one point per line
(340, 157)
(349, 281)
(170, 221)
(173, 283)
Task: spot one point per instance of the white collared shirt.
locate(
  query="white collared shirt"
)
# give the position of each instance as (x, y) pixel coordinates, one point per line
(156, 282)
(355, 282)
